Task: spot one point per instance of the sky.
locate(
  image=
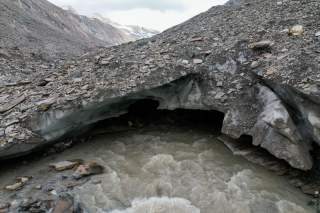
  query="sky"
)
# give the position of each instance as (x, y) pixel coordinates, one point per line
(154, 14)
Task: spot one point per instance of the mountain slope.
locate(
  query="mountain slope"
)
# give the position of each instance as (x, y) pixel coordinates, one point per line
(37, 25)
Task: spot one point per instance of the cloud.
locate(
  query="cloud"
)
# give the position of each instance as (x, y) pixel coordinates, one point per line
(155, 14)
(110, 5)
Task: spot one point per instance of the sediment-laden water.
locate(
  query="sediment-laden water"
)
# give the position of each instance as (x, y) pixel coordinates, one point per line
(165, 170)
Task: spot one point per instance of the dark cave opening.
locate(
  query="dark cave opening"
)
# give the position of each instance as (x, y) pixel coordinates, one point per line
(145, 113)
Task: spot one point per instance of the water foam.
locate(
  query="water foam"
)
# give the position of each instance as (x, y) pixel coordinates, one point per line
(160, 205)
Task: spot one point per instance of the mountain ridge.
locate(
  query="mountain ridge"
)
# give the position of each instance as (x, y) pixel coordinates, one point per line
(40, 26)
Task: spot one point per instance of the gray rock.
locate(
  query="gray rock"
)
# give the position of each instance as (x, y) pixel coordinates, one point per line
(64, 165)
(197, 61)
(265, 44)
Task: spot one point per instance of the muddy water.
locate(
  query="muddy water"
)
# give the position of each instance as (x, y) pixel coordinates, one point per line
(166, 170)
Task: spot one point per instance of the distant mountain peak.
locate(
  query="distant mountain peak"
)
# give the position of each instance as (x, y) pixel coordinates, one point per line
(135, 31)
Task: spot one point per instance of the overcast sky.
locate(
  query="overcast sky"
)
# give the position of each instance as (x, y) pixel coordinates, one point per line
(155, 14)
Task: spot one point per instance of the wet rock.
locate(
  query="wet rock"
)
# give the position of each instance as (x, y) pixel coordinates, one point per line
(64, 204)
(4, 207)
(35, 205)
(311, 188)
(89, 169)
(21, 181)
(64, 165)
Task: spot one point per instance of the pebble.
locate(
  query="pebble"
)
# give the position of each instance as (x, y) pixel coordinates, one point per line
(196, 39)
(270, 71)
(185, 61)
(64, 165)
(219, 84)
(197, 61)
(38, 187)
(254, 64)
(21, 181)
(296, 30)
(219, 95)
(317, 34)
(261, 45)
(45, 104)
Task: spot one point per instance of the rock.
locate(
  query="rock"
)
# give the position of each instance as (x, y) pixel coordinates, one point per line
(4, 207)
(21, 181)
(85, 170)
(270, 71)
(296, 30)
(104, 62)
(12, 104)
(38, 187)
(219, 84)
(43, 82)
(36, 205)
(64, 204)
(317, 34)
(195, 39)
(219, 95)
(311, 188)
(265, 44)
(197, 61)
(185, 61)
(4, 53)
(64, 165)
(254, 64)
(45, 104)
(279, 3)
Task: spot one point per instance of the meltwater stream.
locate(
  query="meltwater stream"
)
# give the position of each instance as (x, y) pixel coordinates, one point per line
(167, 170)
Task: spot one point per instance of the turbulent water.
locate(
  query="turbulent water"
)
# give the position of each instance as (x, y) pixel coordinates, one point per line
(169, 170)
